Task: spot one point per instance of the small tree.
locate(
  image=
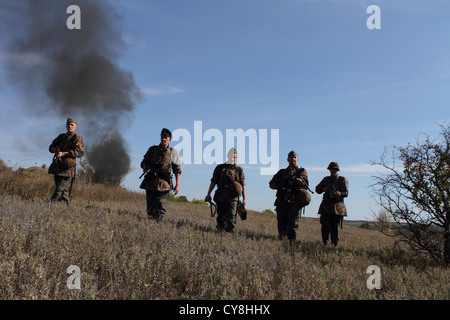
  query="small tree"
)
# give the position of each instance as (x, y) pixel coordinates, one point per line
(415, 192)
(384, 221)
(85, 172)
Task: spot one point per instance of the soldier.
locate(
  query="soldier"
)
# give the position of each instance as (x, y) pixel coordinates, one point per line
(67, 147)
(230, 181)
(332, 209)
(158, 164)
(292, 195)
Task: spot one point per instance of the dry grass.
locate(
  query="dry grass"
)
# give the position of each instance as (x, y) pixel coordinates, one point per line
(122, 255)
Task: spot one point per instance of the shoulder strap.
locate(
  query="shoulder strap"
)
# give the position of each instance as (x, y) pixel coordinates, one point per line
(238, 174)
(219, 183)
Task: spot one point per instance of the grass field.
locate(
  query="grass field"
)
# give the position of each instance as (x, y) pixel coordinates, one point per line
(123, 255)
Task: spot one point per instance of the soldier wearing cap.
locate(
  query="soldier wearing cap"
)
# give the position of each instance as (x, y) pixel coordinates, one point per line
(159, 162)
(230, 181)
(332, 208)
(67, 147)
(291, 184)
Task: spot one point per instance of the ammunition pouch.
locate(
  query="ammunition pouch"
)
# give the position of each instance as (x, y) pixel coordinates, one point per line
(328, 206)
(340, 209)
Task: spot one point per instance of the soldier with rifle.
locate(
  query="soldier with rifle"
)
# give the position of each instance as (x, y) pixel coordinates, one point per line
(332, 208)
(230, 181)
(67, 147)
(158, 164)
(292, 195)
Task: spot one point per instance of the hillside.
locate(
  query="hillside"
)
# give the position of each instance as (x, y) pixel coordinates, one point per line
(123, 255)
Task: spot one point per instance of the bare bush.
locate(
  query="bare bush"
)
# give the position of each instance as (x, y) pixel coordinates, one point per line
(416, 194)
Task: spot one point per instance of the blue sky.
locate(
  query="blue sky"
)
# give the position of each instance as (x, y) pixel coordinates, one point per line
(334, 89)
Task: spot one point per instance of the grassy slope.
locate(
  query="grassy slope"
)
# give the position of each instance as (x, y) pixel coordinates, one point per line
(122, 255)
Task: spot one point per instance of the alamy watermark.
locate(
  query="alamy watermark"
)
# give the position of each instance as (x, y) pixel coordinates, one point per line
(74, 20)
(374, 280)
(74, 280)
(374, 21)
(211, 146)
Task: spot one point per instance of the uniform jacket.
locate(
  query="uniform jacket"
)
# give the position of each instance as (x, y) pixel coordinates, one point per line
(160, 162)
(224, 176)
(66, 142)
(333, 198)
(290, 191)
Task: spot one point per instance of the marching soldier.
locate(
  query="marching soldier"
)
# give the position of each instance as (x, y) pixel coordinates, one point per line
(332, 208)
(292, 195)
(67, 147)
(230, 181)
(158, 164)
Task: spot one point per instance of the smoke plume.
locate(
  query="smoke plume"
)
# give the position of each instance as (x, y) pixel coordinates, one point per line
(77, 71)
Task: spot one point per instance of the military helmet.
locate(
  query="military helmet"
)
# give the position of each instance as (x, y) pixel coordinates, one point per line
(333, 165)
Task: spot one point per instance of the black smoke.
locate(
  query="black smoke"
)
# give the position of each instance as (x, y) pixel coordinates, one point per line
(77, 72)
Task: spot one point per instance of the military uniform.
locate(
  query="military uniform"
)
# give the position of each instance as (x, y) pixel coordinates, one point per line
(332, 208)
(230, 181)
(161, 162)
(291, 198)
(63, 168)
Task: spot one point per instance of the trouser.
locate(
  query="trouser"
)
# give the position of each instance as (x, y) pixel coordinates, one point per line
(288, 217)
(226, 215)
(330, 225)
(61, 193)
(156, 204)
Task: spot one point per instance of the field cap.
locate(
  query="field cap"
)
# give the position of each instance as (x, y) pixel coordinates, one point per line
(166, 132)
(71, 120)
(292, 154)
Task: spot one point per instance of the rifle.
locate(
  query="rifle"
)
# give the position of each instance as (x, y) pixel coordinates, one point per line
(146, 171)
(165, 175)
(306, 184)
(212, 207)
(72, 181)
(55, 158)
(333, 193)
(291, 179)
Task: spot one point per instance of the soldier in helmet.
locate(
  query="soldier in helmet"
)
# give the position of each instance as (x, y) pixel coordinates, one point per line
(230, 181)
(291, 184)
(67, 147)
(332, 209)
(159, 162)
